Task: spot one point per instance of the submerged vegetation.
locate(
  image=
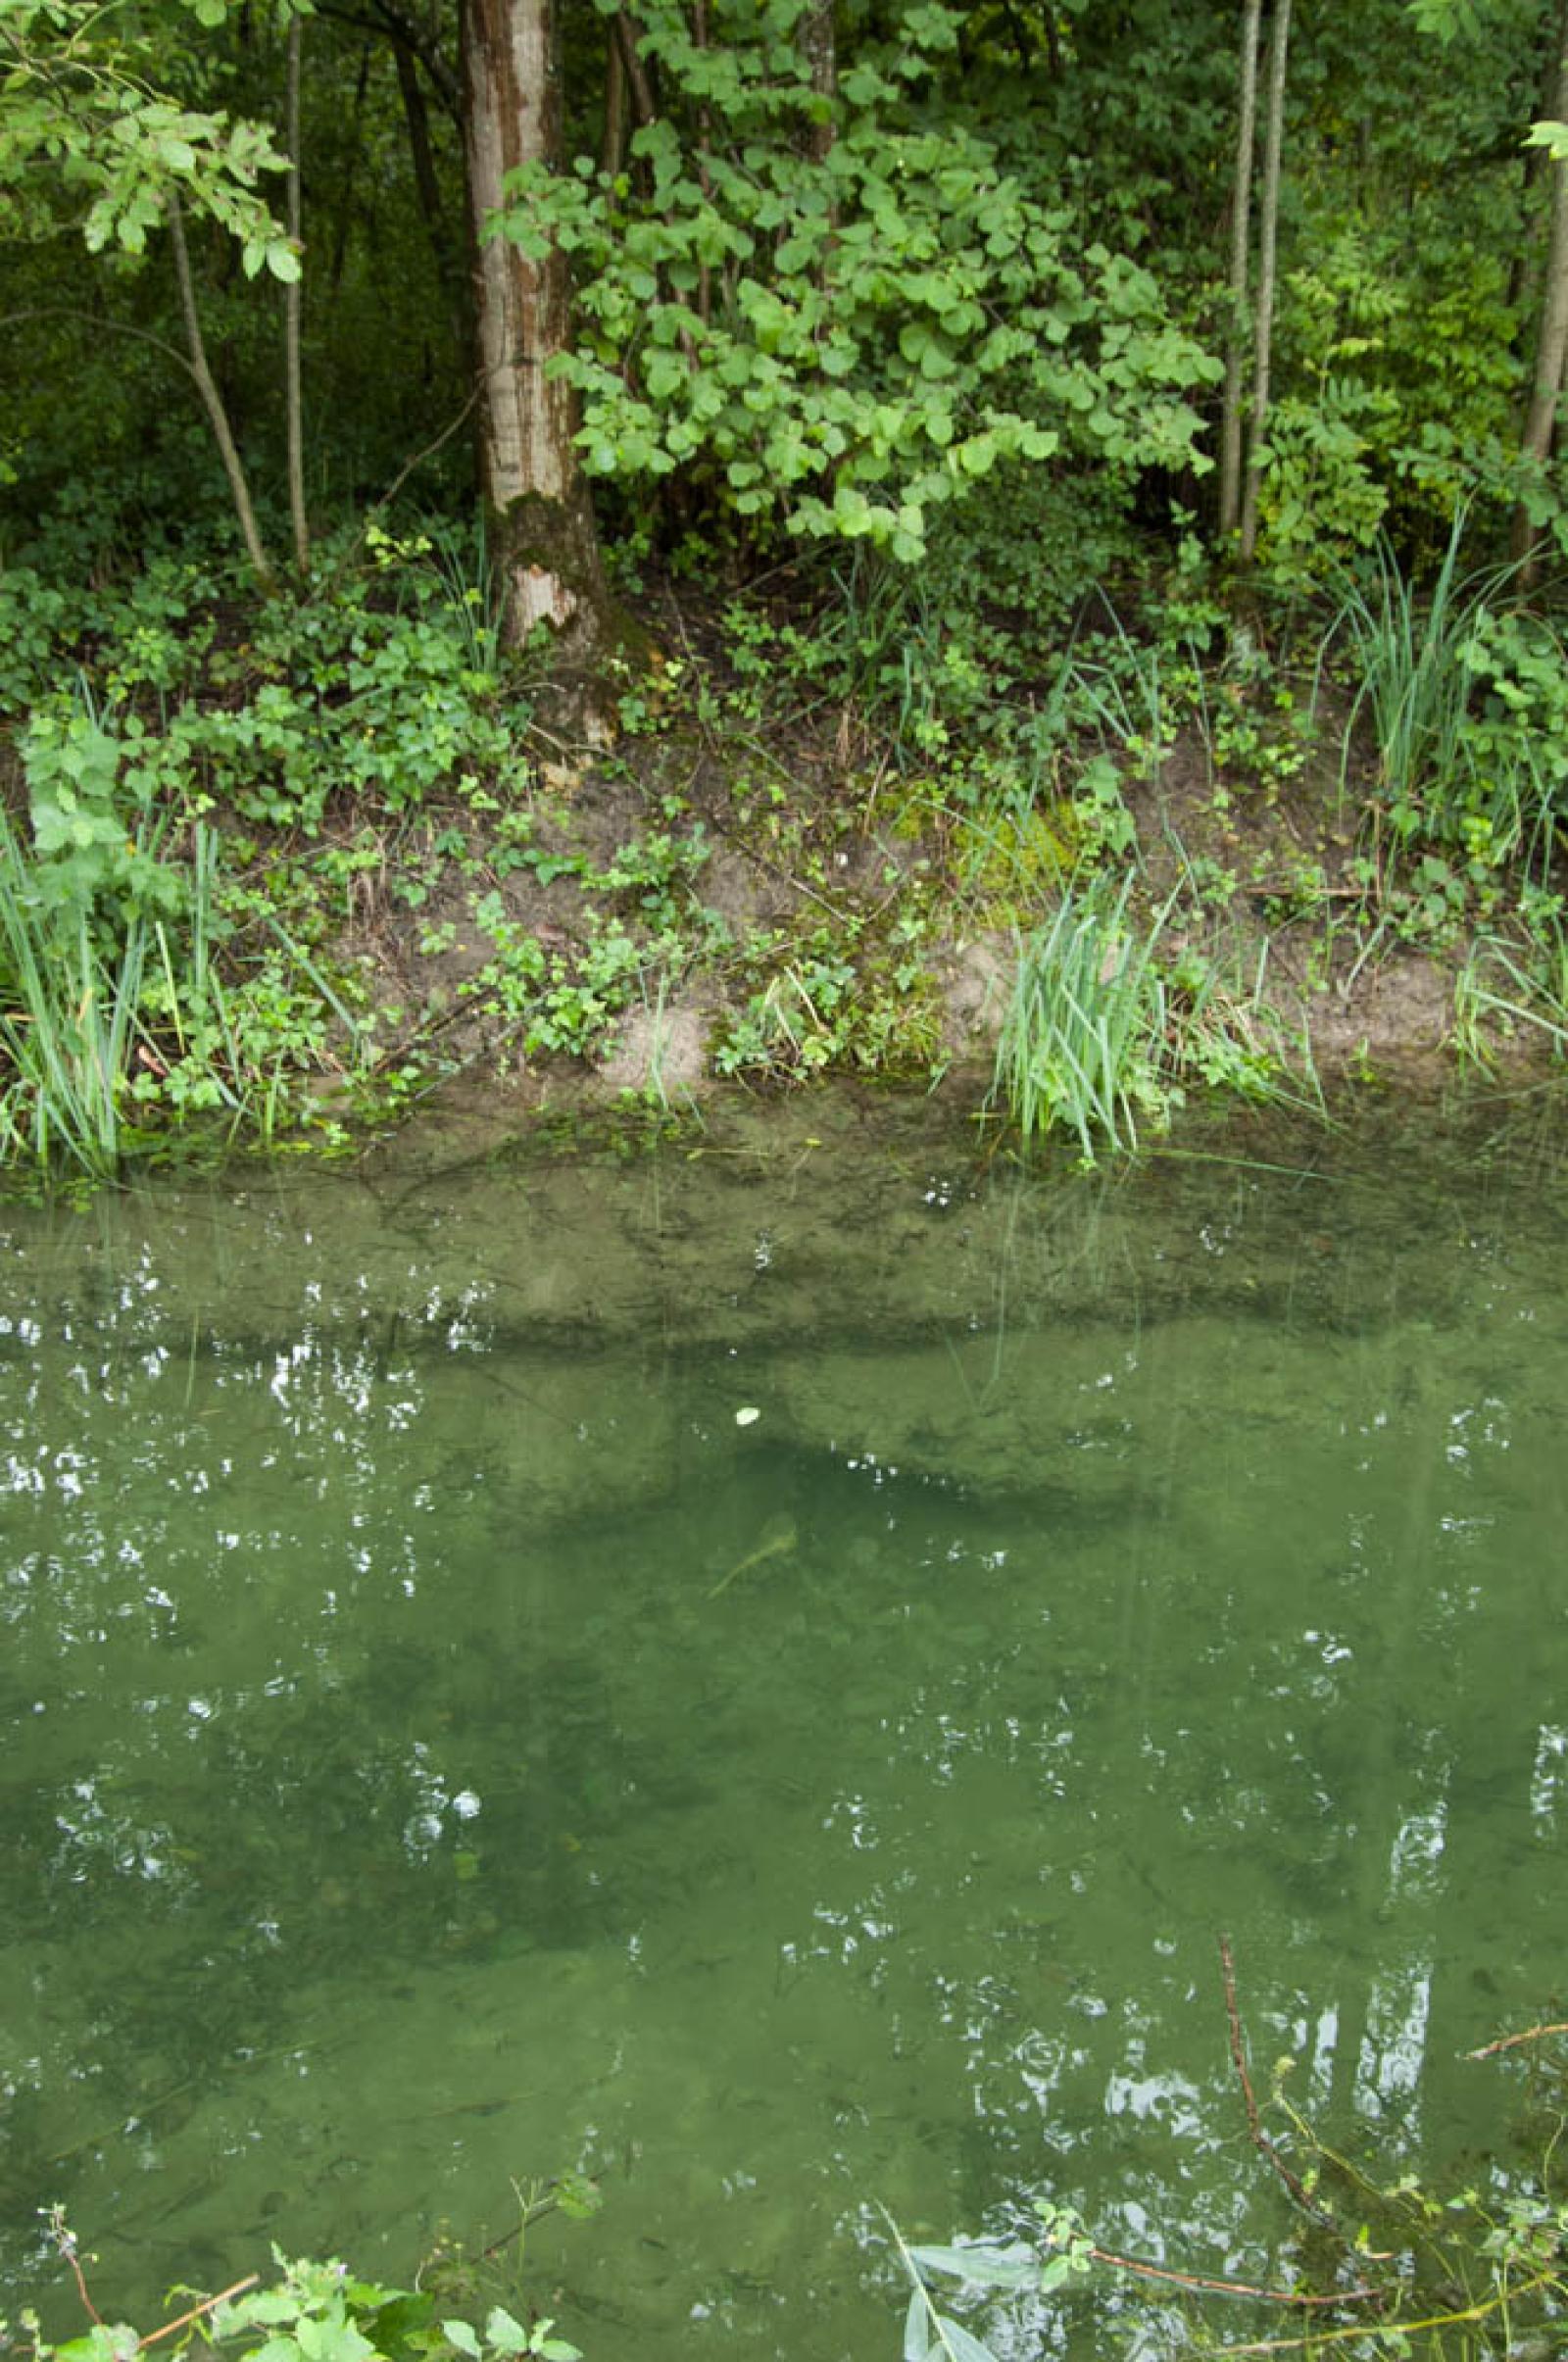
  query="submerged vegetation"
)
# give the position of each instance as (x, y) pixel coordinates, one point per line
(1073, 581)
(1378, 2265)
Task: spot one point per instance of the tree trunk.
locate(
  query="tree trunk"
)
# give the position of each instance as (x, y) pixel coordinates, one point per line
(213, 399)
(446, 248)
(1551, 343)
(344, 208)
(294, 399)
(540, 515)
(1524, 269)
(613, 145)
(1268, 240)
(819, 50)
(1230, 451)
(705, 142)
(628, 35)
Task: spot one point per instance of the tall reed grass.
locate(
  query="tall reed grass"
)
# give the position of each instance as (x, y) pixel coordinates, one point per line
(1081, 1039)
(1504, 986)
(1407, 655)
(1113, 1013)
(68, 1020)
(111, 1022)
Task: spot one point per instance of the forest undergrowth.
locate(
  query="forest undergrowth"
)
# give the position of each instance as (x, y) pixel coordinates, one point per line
(275, 874)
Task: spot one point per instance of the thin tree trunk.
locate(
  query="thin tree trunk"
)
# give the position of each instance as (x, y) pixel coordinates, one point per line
(343, 208)
(445, 246)
(1268, 241)
(705, 142)
(821, 50)
(612, 147)
(1230, 448)
(1524, 267)
(213, 399)
(629, 34)
(1052, 43)
(425, 39)
(1551, 343)
(1020, 35)
(818, 43)
(533, 485)
(292, 294)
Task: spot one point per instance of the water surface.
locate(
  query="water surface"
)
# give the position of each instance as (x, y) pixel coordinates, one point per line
(448, 1739)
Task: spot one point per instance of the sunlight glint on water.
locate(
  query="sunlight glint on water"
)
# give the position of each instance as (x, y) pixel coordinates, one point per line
(444, 1745)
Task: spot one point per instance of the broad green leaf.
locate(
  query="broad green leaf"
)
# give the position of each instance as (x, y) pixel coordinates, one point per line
(460, 2334)
(1551, 136)
(1015, 2266)
(553, 2349)
(961, 2343)
(507, 2336)
(279, 2349)
(334, 2340)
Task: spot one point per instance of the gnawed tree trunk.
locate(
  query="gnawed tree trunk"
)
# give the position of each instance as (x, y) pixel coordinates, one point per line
(1268, 242)
(541, 519)
(1551, 343)
(1230, 443)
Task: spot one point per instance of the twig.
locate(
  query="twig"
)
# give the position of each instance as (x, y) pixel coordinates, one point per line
(67, 2248)
(1385, 2328)
(207, 2305)
(96, 321)
(1511, 2041)
(428, 452)
(1238, 2051)
(1229, 2288)
(1261, 2140)
(533, 2212)
(378, 508)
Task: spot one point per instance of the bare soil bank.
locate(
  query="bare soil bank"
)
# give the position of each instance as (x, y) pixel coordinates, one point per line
(802, 856)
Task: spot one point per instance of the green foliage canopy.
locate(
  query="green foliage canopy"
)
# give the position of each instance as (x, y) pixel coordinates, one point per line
(845, 333)
(89, 122)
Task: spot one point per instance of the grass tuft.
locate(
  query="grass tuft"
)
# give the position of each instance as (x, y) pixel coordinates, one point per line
(1081, 1041)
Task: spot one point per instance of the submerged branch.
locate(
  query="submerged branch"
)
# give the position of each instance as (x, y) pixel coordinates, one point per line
(1387, 2329)
(1511, 2041)
(208, 2304)
(1231, 2288)
(1261, 2140)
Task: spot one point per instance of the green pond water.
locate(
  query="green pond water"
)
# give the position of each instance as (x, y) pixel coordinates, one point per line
(763, 1676)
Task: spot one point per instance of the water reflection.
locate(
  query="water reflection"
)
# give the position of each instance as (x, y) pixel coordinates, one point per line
(445, 1743)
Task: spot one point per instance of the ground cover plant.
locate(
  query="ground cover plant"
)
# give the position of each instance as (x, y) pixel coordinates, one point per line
(323, 2312)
